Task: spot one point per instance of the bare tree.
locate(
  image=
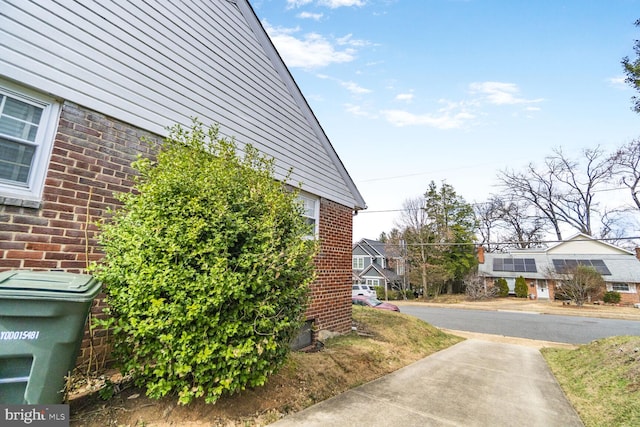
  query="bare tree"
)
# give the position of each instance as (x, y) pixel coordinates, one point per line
(625, 163)
(476, 289)
(509, 222)
(488, 218)
(414, 223)
(563, 190)
(523, 228)
(580, 284)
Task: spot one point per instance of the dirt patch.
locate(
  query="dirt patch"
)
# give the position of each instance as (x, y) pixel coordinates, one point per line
(382, 343)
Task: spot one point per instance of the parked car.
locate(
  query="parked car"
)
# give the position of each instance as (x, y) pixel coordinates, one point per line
(364, 290)
(373, 303)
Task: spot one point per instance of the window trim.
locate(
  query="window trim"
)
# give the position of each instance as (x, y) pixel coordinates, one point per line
(360, 260)
(47, 128)
(302, 196)
(626, 291)
(370, 282)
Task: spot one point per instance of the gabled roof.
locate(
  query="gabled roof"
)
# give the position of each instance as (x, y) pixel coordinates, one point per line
(390, 275)
(154, 64)
(373, 248)
(582, 243)
(615, 264)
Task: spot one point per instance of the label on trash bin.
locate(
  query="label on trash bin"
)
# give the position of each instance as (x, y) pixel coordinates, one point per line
(34, 415)
(19, 335)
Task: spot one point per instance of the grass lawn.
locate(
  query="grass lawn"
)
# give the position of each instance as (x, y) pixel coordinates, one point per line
(601, 380)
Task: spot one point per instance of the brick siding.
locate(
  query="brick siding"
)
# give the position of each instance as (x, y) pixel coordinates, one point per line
(331, 293)
(91, 160)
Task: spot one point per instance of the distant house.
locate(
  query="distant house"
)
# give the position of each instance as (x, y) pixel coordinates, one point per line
(542, 268)
(82, 82)
(372, 266)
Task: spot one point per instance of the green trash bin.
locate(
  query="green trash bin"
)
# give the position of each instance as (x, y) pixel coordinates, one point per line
(42, 320)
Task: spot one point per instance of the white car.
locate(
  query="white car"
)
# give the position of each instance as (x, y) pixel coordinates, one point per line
(365, 290)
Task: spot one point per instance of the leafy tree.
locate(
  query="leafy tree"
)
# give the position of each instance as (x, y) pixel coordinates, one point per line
(521, 289)
(632, 70)
(206, 270)
(580, 285)
(438, 230)
(453, 222)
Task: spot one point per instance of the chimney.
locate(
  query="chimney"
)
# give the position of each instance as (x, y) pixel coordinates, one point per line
(481, 254)
(638, 253)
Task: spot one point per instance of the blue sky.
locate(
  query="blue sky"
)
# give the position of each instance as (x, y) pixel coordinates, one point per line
(410, 91)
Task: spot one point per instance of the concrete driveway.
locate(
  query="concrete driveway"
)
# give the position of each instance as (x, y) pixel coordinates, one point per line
(473, 383)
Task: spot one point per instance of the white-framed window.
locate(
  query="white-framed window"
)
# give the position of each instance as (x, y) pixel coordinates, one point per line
(357, 263)
(373, 282)
(28, 121)
(310, 211)
(620, 287)
(400, 266)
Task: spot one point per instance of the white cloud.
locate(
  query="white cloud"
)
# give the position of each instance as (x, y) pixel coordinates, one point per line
(349, 41)
(618, 82)
(354, 88)
(309, 15)
(356, 110)
(407, 97)
(499, 93)
(334, 4)
(297, 3)
(442, 120)
(310, 51)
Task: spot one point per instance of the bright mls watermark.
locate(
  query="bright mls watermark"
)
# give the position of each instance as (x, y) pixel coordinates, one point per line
(34, 415)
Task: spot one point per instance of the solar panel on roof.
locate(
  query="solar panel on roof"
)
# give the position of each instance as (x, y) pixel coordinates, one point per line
(564, 266)
(518, 265)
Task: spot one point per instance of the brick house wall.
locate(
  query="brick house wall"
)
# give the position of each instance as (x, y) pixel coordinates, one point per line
(331, 292)
(91, 159)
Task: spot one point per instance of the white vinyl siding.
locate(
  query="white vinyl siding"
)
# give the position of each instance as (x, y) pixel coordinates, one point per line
(127, 58)
(28, 121)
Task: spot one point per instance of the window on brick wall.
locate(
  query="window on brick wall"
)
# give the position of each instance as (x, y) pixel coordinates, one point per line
(620, 287)
(28, 122)
(311, 211)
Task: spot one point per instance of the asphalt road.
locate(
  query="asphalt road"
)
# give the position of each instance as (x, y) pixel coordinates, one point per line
(546, 327)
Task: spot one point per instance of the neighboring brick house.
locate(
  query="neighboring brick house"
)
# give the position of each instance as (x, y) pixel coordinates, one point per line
(543, 269)
(81, 83)
(373, 266)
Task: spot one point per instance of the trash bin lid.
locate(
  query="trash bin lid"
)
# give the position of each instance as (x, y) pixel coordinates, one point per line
(56, 284)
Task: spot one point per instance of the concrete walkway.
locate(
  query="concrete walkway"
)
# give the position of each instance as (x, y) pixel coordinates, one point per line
(473, 383)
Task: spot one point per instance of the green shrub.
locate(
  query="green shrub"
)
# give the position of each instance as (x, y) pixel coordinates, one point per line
(206, 270)
(379, 292)
(503, 287)
(612, 297)
(521, 288)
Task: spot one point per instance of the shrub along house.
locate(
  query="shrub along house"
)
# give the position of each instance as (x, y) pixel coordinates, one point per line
(81, 83)
(543, 268)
